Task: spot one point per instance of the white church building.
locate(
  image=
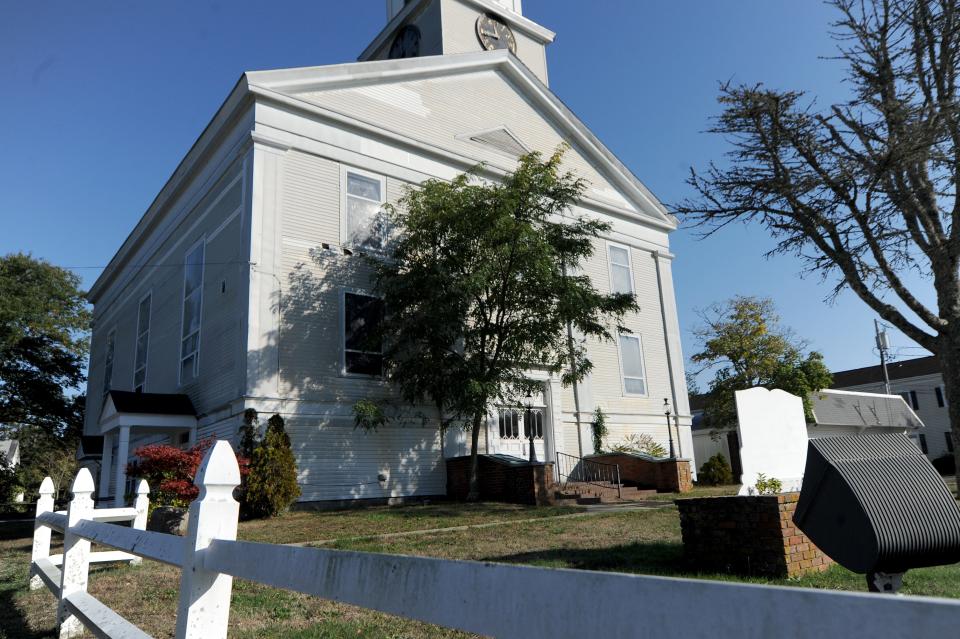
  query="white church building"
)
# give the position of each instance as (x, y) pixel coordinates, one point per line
(241, 286)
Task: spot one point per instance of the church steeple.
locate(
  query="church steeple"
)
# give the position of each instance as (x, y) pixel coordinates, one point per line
(444, 27)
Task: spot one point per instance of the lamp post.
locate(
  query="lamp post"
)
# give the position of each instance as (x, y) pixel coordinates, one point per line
(666, 412)
(529, 424)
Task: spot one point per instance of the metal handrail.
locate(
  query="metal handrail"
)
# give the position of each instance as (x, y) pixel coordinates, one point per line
(587, 471)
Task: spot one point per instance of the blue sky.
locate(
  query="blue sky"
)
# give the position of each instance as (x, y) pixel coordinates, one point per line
(103, 99)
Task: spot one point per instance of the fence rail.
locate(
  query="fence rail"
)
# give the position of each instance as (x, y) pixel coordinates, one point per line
(491, 599)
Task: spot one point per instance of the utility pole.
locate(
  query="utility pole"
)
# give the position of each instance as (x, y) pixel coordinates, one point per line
(882, 346)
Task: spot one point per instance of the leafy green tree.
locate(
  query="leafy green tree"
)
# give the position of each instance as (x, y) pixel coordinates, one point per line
(272, 485)
(743, 342)
(482, 286)
(11, 482)
(44, 325)
(864, 191)
(44, 330)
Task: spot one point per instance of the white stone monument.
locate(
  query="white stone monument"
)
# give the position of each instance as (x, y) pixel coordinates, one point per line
(773, 438)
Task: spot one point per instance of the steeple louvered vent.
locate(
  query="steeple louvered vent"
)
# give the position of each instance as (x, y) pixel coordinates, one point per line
(499, 139)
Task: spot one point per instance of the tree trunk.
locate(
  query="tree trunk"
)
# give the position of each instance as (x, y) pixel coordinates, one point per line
(474, 492)
(949, 357)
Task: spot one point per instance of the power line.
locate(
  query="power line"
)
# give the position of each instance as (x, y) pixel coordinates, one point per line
(149, 265)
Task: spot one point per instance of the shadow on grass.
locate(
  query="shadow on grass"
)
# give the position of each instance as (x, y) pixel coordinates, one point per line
(655, 558)
(10, 530)
(14, 573)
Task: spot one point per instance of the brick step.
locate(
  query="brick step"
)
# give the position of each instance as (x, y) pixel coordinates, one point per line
(585, 493)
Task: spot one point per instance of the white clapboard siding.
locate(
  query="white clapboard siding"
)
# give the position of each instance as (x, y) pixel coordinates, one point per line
(220, 314)
(432, 110)
(225, 429)
(606, 384)
(311, 199)
(337, 461)
(220, 333)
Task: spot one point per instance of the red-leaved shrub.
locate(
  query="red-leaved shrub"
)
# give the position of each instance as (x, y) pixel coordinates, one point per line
(170, 471)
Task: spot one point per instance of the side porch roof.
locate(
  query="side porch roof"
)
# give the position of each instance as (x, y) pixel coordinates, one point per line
(157, 410)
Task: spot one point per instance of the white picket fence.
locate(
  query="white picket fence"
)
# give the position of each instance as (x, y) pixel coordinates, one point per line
(490, 599)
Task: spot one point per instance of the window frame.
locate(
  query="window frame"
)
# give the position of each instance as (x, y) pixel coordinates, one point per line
(112, 351)
(136, 341)
(344, 291)
(345, 171)
(629, 265)
(201, 244)
(643, 365)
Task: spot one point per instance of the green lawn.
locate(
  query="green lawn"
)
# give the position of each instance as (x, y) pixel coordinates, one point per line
(303, 526)
(646, 541)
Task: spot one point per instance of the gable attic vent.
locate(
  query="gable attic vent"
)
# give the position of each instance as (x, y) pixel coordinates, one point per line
(499, 139)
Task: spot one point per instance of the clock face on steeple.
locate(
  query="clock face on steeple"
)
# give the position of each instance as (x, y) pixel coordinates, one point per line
(407, 43)
(495, 34)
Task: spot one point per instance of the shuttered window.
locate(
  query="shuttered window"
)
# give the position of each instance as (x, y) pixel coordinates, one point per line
(108, 362)
(631, 364)
(621, 273)
(192, 310)
(143, 342)
(365, 226)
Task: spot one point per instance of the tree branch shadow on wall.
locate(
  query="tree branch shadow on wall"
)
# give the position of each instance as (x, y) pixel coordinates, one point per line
(305, 355)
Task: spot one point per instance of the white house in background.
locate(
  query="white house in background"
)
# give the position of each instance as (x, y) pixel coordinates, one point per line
(836, 413)
(920, 383)
(241, 286)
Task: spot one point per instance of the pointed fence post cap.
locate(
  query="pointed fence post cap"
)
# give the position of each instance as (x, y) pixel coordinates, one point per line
(83, 484)
(46, 486)
(219, 473)
(143, 488)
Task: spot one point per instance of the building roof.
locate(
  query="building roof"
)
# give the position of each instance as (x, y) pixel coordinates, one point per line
(896, 370)
(862, 410)
(846, 408)
(286, 88)
(152, 403)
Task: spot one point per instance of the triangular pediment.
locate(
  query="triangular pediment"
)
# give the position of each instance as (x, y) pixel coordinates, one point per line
(482, 107)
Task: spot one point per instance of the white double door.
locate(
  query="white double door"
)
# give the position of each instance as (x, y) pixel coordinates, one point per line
(511, 431)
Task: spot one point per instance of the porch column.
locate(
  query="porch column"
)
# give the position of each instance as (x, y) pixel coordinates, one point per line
(554, 410)
(106, 460)
(123, 449)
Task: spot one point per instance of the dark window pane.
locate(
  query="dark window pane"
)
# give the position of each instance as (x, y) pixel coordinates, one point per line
(949, 442)
(364, 363)
(939, 393)
(362, 316)
(923, 444)
(913, 400)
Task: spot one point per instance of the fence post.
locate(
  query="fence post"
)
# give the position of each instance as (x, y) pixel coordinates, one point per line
(142, 505)
(41, 533)
(76, 553)
(204, 607)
